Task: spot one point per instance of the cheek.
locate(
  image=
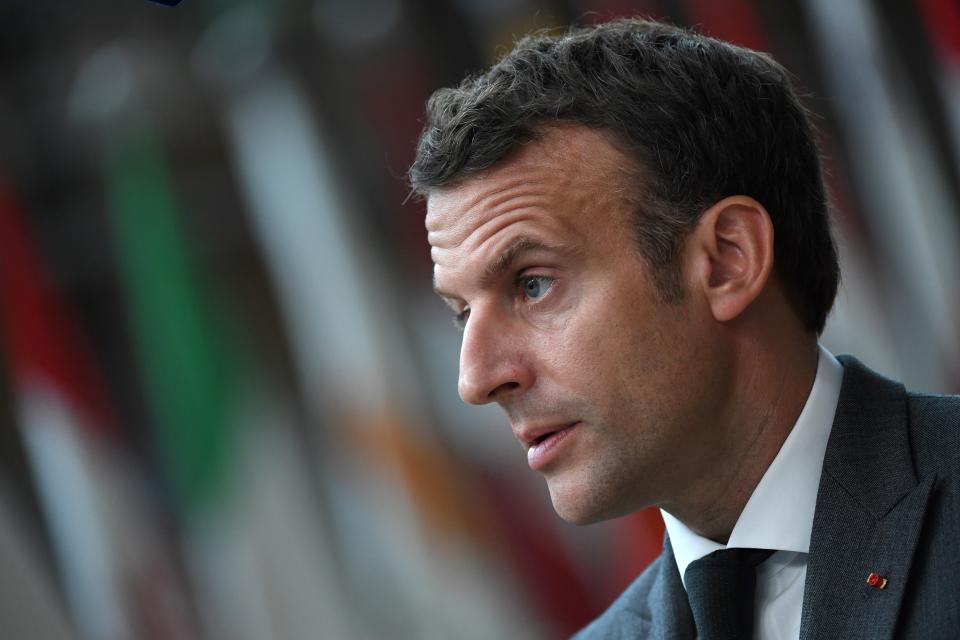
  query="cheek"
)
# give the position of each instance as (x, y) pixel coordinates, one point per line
(641, 351)
(609, 344)
(590, 352)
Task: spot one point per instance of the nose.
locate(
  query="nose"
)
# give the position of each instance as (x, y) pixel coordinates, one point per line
(493, 362)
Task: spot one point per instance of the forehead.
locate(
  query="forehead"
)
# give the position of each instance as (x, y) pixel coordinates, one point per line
(563, 180)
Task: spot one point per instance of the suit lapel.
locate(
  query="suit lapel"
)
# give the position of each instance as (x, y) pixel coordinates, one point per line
(870, 508)
(654, 607)
(673, 619)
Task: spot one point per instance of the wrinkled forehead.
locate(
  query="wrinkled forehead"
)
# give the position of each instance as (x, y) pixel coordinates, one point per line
(564, 163)
(455, 212)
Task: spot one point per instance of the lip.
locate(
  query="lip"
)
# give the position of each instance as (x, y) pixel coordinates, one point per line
(546, 443)
(530, 435)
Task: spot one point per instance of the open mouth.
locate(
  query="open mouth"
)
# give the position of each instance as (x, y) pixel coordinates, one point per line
(547, 446)
(540, 439)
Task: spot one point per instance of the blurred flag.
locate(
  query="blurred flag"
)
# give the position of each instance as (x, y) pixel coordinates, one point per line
(255, 543)
(902, 187)
(942, 20)
(733, 20)
(116, 567)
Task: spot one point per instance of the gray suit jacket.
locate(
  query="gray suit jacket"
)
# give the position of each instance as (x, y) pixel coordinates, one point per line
(888, 502)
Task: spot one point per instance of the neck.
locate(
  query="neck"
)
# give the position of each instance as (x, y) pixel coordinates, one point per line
(770, 388)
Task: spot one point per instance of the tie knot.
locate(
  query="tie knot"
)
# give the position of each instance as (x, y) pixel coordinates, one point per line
(721, 587)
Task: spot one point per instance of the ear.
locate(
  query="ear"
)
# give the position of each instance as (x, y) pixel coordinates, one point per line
(732, 253)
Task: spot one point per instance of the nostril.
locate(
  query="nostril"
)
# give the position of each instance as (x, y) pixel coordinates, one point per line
(506, 387)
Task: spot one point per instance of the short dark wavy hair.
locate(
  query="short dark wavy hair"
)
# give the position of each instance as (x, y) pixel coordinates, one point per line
(702, 118)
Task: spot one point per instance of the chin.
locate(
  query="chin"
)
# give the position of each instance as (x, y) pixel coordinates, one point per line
(578, 519)
(580, 507)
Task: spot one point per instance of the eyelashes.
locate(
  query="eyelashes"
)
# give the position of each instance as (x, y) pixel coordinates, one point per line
(529, 288)
(535, 288)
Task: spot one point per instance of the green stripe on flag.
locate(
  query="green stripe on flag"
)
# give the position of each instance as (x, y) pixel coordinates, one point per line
(183, 360)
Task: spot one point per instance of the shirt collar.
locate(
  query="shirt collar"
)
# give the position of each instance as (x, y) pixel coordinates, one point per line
(779, 513)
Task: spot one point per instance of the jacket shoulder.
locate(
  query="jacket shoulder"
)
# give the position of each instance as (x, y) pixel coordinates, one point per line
(630, 613)
(935, 443)
(932, 421)
(935, 433)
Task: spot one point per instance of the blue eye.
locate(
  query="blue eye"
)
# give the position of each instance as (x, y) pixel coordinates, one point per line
(534, 287)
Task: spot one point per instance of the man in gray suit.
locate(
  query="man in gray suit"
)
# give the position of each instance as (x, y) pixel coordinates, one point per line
(629, 223)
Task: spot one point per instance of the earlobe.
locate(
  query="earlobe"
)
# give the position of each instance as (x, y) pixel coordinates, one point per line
(735, 239)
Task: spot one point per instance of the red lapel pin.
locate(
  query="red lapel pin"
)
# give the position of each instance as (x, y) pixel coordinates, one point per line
(877, 581)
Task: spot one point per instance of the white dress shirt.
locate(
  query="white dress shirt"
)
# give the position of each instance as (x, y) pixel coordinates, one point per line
(779, 513)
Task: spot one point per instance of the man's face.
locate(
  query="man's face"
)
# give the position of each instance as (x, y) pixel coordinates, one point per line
(604, 385)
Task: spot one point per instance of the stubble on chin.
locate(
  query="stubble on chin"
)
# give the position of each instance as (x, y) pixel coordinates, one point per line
(585, 494)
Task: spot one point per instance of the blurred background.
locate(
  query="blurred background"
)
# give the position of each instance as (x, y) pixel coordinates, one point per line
(228, 399)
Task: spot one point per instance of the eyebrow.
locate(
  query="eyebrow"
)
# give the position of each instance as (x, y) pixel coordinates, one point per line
(494, 270)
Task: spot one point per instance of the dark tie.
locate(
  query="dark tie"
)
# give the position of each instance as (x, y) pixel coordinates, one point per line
(721, 587)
